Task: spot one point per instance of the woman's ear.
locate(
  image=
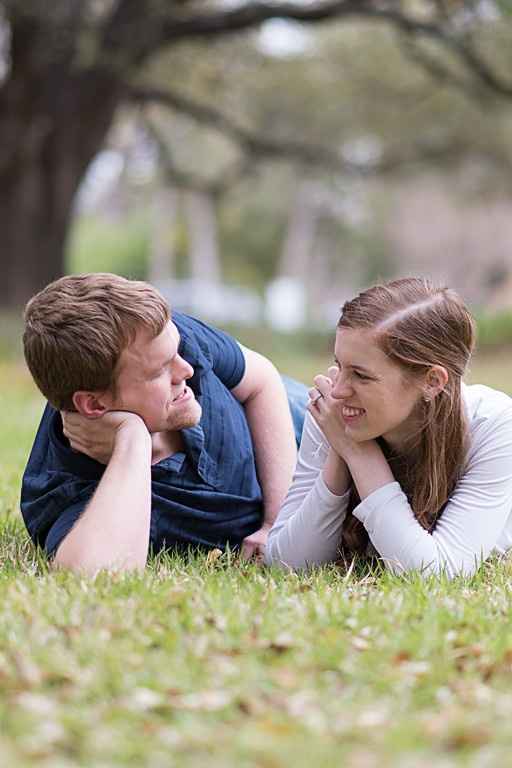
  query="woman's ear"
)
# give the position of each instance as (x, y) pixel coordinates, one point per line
(92, 405)
(435, 382)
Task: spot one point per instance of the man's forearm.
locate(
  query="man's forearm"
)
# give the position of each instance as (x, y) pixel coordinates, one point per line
(113, 531)
(271, 426)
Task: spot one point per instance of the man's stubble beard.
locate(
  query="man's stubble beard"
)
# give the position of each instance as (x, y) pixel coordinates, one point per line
(189, 419)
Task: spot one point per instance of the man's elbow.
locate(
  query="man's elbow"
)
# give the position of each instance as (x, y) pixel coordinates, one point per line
(74, 558)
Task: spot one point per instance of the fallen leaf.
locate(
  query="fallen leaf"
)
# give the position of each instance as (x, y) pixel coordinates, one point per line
(401, 657)
(219, 622)
(213, 555)
(28, 672)
(37, 703)
(281, 643)
(208, 701)
(371, 718)
(359, 643)
(416, 668)
(143, 699)
(286, 677)
(470, 735)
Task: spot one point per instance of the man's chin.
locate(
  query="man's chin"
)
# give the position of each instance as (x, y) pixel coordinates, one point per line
(191, 417)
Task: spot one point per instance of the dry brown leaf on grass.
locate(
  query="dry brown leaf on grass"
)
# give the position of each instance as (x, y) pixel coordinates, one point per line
(28, 673)
(219, 622)
(405, 661)
(37, 704)
(143, 700)
(207, 701)
(286, 677)
(213, 555)
(282, 642)
(359, 643)
(470, 735)
(453, 730)
(373, 717)
(401, 657)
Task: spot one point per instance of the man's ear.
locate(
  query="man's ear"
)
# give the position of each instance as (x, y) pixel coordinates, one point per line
(90, 404)
(435, 382)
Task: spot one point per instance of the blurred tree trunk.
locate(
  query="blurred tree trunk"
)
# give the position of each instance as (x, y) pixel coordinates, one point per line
(161, 265)
(52, 123)
(297, 250)
(65, 65)
(203, 245)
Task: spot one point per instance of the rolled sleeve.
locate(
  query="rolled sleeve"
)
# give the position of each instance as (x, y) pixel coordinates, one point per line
(220, 348)
(62, 527)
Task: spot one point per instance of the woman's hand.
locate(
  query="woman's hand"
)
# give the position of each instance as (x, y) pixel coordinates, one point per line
(327, 412)
(364, 460)
(97, 437)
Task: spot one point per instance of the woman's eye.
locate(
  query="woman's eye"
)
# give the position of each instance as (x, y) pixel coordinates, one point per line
(361, 376)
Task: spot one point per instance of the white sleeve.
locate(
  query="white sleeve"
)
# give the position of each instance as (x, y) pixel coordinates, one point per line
(307, 530)
(472, 520)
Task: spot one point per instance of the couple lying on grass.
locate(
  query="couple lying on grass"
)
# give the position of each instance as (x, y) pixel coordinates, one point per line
(163, 432)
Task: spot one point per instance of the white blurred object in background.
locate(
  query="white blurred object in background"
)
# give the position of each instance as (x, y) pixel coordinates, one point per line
(285, 304)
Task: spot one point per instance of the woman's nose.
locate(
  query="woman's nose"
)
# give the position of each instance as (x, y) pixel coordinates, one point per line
(342, 388)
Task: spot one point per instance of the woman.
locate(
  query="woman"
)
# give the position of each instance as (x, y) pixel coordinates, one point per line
(398, 456)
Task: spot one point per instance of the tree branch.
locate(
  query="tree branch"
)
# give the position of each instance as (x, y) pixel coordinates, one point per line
(436, 69)
(312, 156)
(250, 142)
(178, 177)
(252, 14)
(136, 30)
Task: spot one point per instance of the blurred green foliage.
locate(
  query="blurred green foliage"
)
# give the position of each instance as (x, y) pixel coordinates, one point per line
(123, 248)
(495, 330)
(110, 245)
(10, 335)
(250, 239)
(251, 234)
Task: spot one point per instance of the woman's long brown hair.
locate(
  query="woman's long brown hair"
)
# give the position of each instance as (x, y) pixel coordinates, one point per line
(418, 325)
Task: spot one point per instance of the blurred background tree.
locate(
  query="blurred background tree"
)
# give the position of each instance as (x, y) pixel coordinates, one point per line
(332, 142)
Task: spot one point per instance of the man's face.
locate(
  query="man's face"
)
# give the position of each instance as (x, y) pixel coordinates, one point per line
(151, 382)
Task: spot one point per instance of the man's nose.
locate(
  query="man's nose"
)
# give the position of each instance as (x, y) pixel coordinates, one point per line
(182, 370)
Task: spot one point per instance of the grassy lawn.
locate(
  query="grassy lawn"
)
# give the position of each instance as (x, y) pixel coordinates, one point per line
(210, 662)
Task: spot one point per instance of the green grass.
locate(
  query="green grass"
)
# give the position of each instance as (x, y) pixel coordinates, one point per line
(213, 662)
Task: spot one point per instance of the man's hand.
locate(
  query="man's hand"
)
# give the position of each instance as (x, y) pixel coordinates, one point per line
(253, 546)
(97, 437)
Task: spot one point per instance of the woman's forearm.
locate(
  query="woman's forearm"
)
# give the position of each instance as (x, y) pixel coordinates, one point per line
(368, 467)
(335, 473)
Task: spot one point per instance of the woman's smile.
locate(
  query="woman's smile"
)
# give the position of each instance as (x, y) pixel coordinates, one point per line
(352, 415)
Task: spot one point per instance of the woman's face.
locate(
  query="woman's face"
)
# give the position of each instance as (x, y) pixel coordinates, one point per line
(376, 400)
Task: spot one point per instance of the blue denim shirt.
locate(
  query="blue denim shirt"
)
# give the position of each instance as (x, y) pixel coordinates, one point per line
(207, 495)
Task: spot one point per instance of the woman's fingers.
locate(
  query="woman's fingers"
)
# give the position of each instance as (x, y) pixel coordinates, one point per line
(323, 384)
(314, 395)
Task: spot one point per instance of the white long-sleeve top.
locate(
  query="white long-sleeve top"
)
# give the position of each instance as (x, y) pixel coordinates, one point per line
(476, 521)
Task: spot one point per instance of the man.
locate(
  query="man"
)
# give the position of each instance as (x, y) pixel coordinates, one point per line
(160, 431)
